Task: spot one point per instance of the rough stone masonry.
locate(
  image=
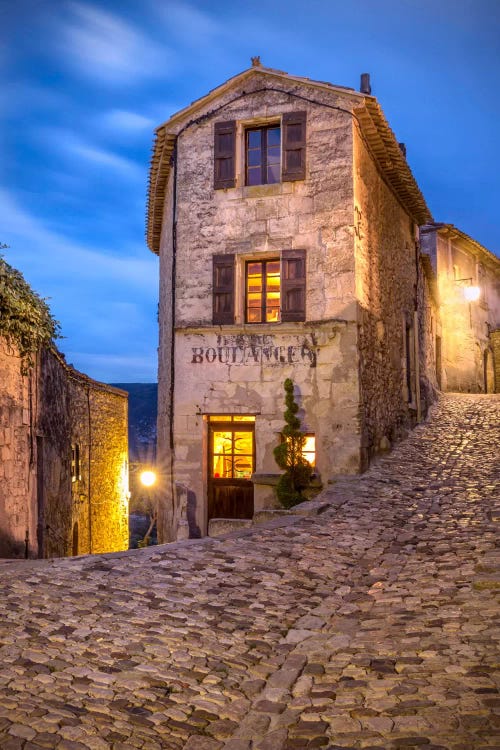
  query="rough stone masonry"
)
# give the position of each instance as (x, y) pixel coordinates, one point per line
(371, 625)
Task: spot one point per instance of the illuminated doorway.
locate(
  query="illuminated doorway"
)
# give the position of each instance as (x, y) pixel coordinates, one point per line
(231, 463)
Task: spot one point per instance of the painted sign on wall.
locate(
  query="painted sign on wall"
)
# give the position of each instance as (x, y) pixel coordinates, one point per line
(254, 350)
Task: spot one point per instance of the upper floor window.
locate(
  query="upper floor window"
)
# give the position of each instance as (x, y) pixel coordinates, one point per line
(274, 289)
(263, 155)
(263, 291)
(267, 153)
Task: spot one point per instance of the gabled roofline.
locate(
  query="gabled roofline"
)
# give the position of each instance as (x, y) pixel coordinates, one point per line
(374, 127)
(452, 231)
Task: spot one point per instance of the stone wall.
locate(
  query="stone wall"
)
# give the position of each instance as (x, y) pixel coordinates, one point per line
(17, 457)
(466, 325)
(316, 215)
(77, 411)
(495, 347)
(386, 288)
(45, 510)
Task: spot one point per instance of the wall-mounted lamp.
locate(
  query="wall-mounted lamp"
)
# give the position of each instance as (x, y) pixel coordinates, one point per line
(148, 478)
(471, 293)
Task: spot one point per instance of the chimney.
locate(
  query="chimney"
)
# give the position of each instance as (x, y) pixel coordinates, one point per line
(402, 148)
(365, 87)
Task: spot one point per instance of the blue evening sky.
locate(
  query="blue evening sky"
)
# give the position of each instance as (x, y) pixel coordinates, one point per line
(83, 84)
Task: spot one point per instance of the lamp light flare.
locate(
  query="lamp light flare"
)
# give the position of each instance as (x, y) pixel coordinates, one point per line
(472, 293)
(148, 478)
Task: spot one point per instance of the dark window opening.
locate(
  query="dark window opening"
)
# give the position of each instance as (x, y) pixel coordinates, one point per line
(75, 463)
(263, 155)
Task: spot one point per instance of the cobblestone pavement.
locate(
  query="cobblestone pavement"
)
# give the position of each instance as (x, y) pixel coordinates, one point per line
(370, 625)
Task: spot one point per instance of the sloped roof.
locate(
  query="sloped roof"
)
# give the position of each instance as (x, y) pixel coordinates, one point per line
(374, 127)
(482, 252)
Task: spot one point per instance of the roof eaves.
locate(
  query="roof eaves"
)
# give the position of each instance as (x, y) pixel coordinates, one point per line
(393, 164)
(453, 230)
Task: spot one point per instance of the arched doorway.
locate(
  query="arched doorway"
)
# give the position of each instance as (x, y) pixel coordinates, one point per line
(489, 372)
(75, 539)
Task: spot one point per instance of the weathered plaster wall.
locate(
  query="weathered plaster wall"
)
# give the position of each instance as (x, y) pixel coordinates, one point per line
(315, 214)
(17, 457)
(466, 325)
(77, 410)
(386, 280)
(239, 373)
(495, 346)
(429, 329)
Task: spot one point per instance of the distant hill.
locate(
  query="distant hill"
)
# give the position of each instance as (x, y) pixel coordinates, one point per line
(142, 411)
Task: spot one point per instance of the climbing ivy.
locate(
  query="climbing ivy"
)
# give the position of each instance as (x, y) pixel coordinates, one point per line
(25, 318)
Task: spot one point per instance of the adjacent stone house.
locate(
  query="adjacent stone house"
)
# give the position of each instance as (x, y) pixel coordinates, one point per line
(63, 457)
(286, 219)
(467, 339)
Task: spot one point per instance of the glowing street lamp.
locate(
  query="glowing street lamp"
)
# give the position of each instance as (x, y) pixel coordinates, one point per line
(148, 478)
(471, 293)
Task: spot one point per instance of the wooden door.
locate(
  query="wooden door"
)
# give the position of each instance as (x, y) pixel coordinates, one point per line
(231, 463)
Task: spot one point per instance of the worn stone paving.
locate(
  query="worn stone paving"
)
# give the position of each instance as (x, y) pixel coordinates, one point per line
(371, 625)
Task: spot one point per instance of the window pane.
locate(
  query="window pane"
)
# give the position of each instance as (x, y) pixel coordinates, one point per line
(222, 447)
(272, 314)
(254, 315)
(273, 267)
(254, 137)
(243, 467)
(223, 467)
(309, 449)
(273, 137)
(219, 418)
(273, 174)
(254, 157)
(273, 155)
(244, 418)
(254, 176)
(243, 443)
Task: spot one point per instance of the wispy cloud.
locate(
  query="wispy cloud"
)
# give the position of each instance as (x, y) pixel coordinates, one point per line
(189, 23)
(67, 141)
(104, 46)
(39, 251)
(125, 121)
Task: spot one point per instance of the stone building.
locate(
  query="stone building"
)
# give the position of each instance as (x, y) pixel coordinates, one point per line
(63, 459)
(467, 339)
(286, 219)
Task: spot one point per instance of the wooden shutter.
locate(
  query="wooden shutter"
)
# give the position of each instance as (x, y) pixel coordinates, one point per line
(293, 285)
(224, 154)
(223, 289)
(294, 146)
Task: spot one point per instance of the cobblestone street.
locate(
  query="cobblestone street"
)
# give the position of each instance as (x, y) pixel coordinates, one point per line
(369, 625)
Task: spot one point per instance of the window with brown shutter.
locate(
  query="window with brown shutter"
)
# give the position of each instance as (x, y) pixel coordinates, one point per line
(224, 154)
(294, 147)
(223, 289)
(293, 285)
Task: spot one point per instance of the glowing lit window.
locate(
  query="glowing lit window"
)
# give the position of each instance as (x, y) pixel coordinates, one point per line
(309, 449)
(263, 291)
(263, 155)
(232, 448)
(231, 418)
(75, 463)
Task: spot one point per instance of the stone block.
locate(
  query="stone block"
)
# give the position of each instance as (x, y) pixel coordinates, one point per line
(221, 526)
